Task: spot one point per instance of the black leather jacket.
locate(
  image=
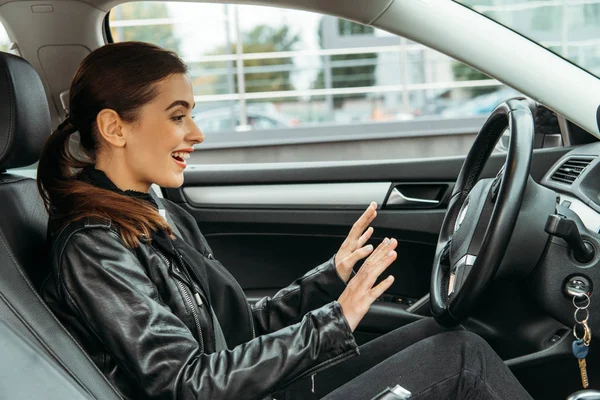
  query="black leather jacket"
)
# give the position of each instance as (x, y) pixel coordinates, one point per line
(131, 311)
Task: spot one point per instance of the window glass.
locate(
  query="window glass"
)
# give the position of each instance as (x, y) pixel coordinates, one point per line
(260, 68)
(4, 40)
(568, 28)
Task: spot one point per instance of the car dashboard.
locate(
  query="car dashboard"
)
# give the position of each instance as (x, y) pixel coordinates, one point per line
(576, 179)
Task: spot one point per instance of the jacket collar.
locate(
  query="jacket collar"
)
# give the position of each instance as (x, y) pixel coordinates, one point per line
(99, 179)
(174, 248)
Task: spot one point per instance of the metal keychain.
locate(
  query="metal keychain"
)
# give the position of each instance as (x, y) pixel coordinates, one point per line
(581, 345)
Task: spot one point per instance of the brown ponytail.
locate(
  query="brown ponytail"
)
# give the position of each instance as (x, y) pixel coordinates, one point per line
(132, 68)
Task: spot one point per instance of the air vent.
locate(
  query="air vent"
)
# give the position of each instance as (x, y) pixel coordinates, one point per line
(571, 169)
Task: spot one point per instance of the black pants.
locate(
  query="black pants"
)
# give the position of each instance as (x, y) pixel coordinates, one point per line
(423, 357)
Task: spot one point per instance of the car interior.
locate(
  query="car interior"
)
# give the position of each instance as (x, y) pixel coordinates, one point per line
(46, 355)
(498, 241)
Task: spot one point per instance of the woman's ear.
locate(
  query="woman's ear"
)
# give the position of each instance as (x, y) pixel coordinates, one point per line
(110, 127)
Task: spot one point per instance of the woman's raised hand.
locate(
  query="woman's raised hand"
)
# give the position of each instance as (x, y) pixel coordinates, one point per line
(360, 293)
(353, 248)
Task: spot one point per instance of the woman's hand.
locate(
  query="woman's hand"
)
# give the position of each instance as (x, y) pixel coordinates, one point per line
(360, 293)
(352, 249)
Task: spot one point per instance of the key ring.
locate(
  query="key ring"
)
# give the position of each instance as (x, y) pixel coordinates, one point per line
(586, 298)
(575, 332)
(584, 320)
(587, 334)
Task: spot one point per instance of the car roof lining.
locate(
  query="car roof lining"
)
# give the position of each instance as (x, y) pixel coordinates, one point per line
(363, 11)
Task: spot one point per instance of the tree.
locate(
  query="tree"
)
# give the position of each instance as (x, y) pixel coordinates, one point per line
(161, 35)
(347, 75)
(463, 72)
(263, 39)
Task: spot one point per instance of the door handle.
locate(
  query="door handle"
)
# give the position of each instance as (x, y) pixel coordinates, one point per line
(396, 198)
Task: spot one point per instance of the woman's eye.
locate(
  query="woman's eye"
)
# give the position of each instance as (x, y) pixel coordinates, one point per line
(178, 118)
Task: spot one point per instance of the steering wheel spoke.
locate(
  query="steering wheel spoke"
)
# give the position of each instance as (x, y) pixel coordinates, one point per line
(497, 183)
(445, 254)
(459, 273)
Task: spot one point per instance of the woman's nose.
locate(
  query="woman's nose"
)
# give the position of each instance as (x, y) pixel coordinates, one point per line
(195, 134)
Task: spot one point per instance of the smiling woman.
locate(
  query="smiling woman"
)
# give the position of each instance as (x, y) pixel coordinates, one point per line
(136, 283)
(139, 152)
(131, 136)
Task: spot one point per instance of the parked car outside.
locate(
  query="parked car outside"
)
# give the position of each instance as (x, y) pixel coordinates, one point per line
(227, 119)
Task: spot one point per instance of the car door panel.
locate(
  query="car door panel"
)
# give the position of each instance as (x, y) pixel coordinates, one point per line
(300, 214)
(291, 196)
(272, 261)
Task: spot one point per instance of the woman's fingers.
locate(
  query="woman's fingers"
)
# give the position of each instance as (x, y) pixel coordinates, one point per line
(365, 237)
(380, 289)
(377, 262)
(352, 249)
(363, 222)
(381, 252)
(359, 254)
(363, 252)
(359, 294)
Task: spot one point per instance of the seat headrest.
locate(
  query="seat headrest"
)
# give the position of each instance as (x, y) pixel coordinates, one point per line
(24, 113)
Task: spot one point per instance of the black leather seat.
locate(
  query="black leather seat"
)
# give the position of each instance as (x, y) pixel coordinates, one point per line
(24, 126)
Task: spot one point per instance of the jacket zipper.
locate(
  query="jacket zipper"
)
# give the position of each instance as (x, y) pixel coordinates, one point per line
(211, 257)
(188, 299)
(186, 270)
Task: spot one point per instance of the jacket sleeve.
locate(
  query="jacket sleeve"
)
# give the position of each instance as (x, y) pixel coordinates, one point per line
(317, 287)
(103, 283)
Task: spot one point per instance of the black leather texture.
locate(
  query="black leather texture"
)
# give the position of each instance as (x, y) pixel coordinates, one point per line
(23, 222)
(24, 113)
(128, 309)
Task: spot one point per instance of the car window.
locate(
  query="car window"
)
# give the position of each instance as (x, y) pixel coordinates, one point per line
(282, 77)
(4, 40)
(570, 29)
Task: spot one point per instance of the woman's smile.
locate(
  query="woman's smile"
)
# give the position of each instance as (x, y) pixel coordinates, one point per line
(180, 156)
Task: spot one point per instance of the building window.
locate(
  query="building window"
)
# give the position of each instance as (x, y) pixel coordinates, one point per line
(349, 28)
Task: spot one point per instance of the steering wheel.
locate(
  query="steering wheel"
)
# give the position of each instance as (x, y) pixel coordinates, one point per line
(481, 215)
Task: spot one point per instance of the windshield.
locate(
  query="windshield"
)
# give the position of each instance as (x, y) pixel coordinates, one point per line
(569, 28)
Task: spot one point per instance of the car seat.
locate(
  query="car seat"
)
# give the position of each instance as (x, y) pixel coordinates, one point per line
(24, 126)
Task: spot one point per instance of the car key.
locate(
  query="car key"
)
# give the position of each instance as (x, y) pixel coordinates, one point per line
(581, 346)
(580, 351)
